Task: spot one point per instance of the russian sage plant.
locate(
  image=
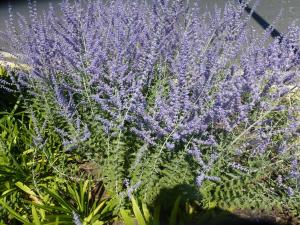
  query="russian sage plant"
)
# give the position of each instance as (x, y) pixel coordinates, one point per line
(157, 94)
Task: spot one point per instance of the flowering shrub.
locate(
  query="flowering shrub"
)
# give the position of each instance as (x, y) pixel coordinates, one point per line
(160, 96)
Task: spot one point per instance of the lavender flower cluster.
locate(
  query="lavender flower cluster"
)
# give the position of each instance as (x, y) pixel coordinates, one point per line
(162, 72)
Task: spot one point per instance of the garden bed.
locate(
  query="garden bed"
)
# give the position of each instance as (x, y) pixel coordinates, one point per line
(129, 113)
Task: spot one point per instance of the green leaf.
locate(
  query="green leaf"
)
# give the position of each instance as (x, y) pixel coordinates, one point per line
(85, 192)
(2, 71)
(110, 205)
(75, 195)
(7, 192)
(137, 212)
(60, 222)
(48, 208)
(25, 188)
(62, 218)
(94, 212)
(98, 222)
(128, 220)
(60, 200)
(13, 213)
(28, 151)
(174, 211)
(156, 215)
(146, 212)
(35, 216)
(57, 221)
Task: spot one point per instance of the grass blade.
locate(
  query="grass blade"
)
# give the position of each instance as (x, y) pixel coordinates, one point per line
(156, 215)
(174, 212)
(137, 212)
(146, 213)
(60, 200)
(128, 220)
(13, 213)
(35, 216)
(94, 212)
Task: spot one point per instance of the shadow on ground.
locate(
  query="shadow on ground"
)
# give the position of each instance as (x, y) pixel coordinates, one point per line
(221, 217)
(215, 216)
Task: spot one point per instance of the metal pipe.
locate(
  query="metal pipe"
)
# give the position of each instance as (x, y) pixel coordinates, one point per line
(274, 33)
(261, 21)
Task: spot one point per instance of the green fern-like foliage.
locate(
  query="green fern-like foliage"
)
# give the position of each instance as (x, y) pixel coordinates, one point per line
(160, 169)
(256, 180)
(251, 189)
